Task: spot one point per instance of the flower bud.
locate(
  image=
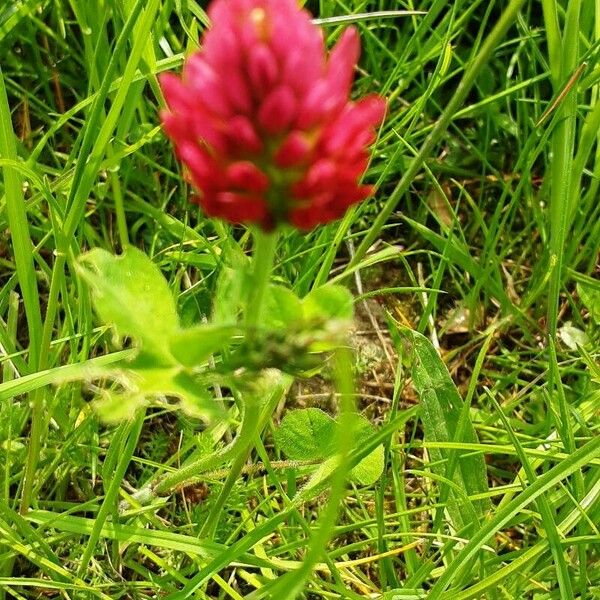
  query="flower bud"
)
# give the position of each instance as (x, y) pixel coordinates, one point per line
(262, 120)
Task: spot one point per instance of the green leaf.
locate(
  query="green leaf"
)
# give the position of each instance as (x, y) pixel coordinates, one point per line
(130, 293)
(114, 407)
(232, 284)
(144, 381)
(194, 398)
(310, 434)
(192, 347)
(590, 297)
(322, 472)
(282, 307)
(307, 434)
(441, 415)
(329, 302)
(572, 336)
(370, 468)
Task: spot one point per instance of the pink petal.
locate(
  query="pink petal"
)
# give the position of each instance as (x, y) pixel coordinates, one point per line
(205, 86)
(303, 218)
(372, 110)
(196, 159)
(247, 176)
(294, 29)
(174, 126)
(227, 11)
(262, 91)
(287, 7)
(196, 71)
(294, 150)
(262, 68)
(356, 122)
(201, 126)
(318, 106)
(241, 132)
(320, 176)
(255, 28)
(215, 100)
(353, 170)
(221, 47)
(342, 60)
(364, 192)
(323, 200)
(176, 94)
(238, 93)
(278, 110)
(302, 68)
(203, 170)
(240, 208)
(220, 10)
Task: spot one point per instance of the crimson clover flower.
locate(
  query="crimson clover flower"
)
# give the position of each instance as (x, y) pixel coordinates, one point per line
(262, 120)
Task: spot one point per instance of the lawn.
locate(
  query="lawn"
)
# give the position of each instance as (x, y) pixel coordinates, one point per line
(400, 403)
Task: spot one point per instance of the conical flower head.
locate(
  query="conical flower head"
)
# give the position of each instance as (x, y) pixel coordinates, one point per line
(262, 120)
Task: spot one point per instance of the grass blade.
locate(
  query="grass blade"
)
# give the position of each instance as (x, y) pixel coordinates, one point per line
(545, 482)
(442, 407)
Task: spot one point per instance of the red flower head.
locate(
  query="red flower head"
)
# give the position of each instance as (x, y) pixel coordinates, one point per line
(262, 119)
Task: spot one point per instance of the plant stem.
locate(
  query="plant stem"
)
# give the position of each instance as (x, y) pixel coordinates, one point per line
(263, 255)
(257, 412)
(289, 586)
(242, 445)
(191, 471)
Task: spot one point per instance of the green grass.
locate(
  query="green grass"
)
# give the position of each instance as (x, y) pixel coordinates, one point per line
(485, 222)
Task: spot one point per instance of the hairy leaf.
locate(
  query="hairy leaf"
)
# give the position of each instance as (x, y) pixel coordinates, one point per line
(130, 293)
